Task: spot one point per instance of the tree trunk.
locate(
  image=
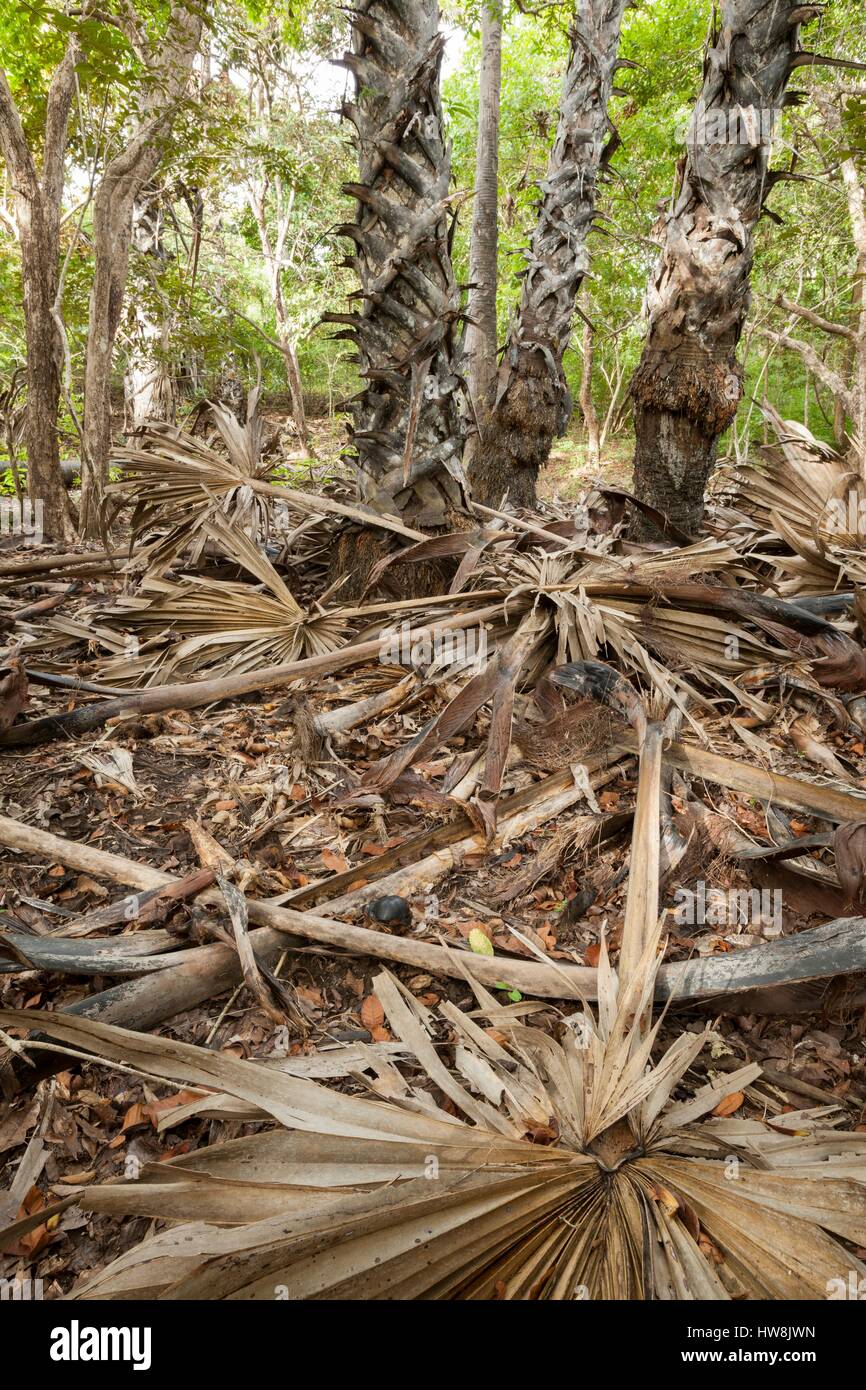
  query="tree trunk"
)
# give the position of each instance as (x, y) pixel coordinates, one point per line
(587, 404)
(856, 196)
(273, 247)
(481, 338)
(688, 384)
(148, 385)
(38, 197)
(112, 234)
(125, 176)
(533, 403)
(293, 371)
(407, 431)
(296, 392)
(40, 258)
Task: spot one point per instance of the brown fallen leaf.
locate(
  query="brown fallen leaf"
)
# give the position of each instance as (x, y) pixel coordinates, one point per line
(15, 1126)
(729, 1105)
(372, 1013)
(13, 694)
(135, 1115)
(803, 731)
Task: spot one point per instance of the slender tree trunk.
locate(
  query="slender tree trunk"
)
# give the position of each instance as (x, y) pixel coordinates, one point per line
(272, 253)
(112, 234)
(688, 384)
(481, 338)
(296, 387)
(856, 195)
(38, 197)
(148, 386)
(290, 358)
(587, 404)
(533, 404)
(407, 431)
(40, 255)
(170, 66)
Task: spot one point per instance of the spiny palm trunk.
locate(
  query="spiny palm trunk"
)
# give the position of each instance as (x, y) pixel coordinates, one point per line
(407, 430)
(688, 384)
(533, 403)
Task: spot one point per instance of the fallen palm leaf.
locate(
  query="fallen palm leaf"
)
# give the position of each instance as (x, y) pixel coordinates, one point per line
(224, 627)
(178, 484)
(799, 498)
(613, 1203)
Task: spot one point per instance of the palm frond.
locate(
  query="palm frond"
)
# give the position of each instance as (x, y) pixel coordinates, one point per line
(222, 627)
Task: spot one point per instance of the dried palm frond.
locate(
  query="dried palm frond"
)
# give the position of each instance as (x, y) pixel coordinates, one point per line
(573, 1173)
(223, 627)
(803, 498)
(179, 482)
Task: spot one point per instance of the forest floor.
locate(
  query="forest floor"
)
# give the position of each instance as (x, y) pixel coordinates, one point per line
(242, 773)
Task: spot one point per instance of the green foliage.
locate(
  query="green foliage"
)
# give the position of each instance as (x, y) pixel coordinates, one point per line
(265, 118)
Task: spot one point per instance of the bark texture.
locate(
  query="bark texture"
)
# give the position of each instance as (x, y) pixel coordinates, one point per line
(481, 340)
(169, 64)
(407, 430)
(533, 404)
(148, 383)
(688, 384)
(38, 197)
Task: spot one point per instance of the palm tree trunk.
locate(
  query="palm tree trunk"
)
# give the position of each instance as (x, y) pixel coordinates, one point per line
(407, 432)
(481, 340)
(533, 403)
(688, 384)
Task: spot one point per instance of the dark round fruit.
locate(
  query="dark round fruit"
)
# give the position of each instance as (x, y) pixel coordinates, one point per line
(390, 910)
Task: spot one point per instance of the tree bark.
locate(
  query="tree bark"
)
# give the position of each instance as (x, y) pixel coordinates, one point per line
(169, 66)
(148, 385)
(38, 198)
(688, 384)
(407, 432)
(533, 404)
(481, 337)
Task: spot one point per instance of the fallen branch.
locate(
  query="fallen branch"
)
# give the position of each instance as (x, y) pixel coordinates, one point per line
(837, 948)
(829, 803)
(419, 877)
(39, 564)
